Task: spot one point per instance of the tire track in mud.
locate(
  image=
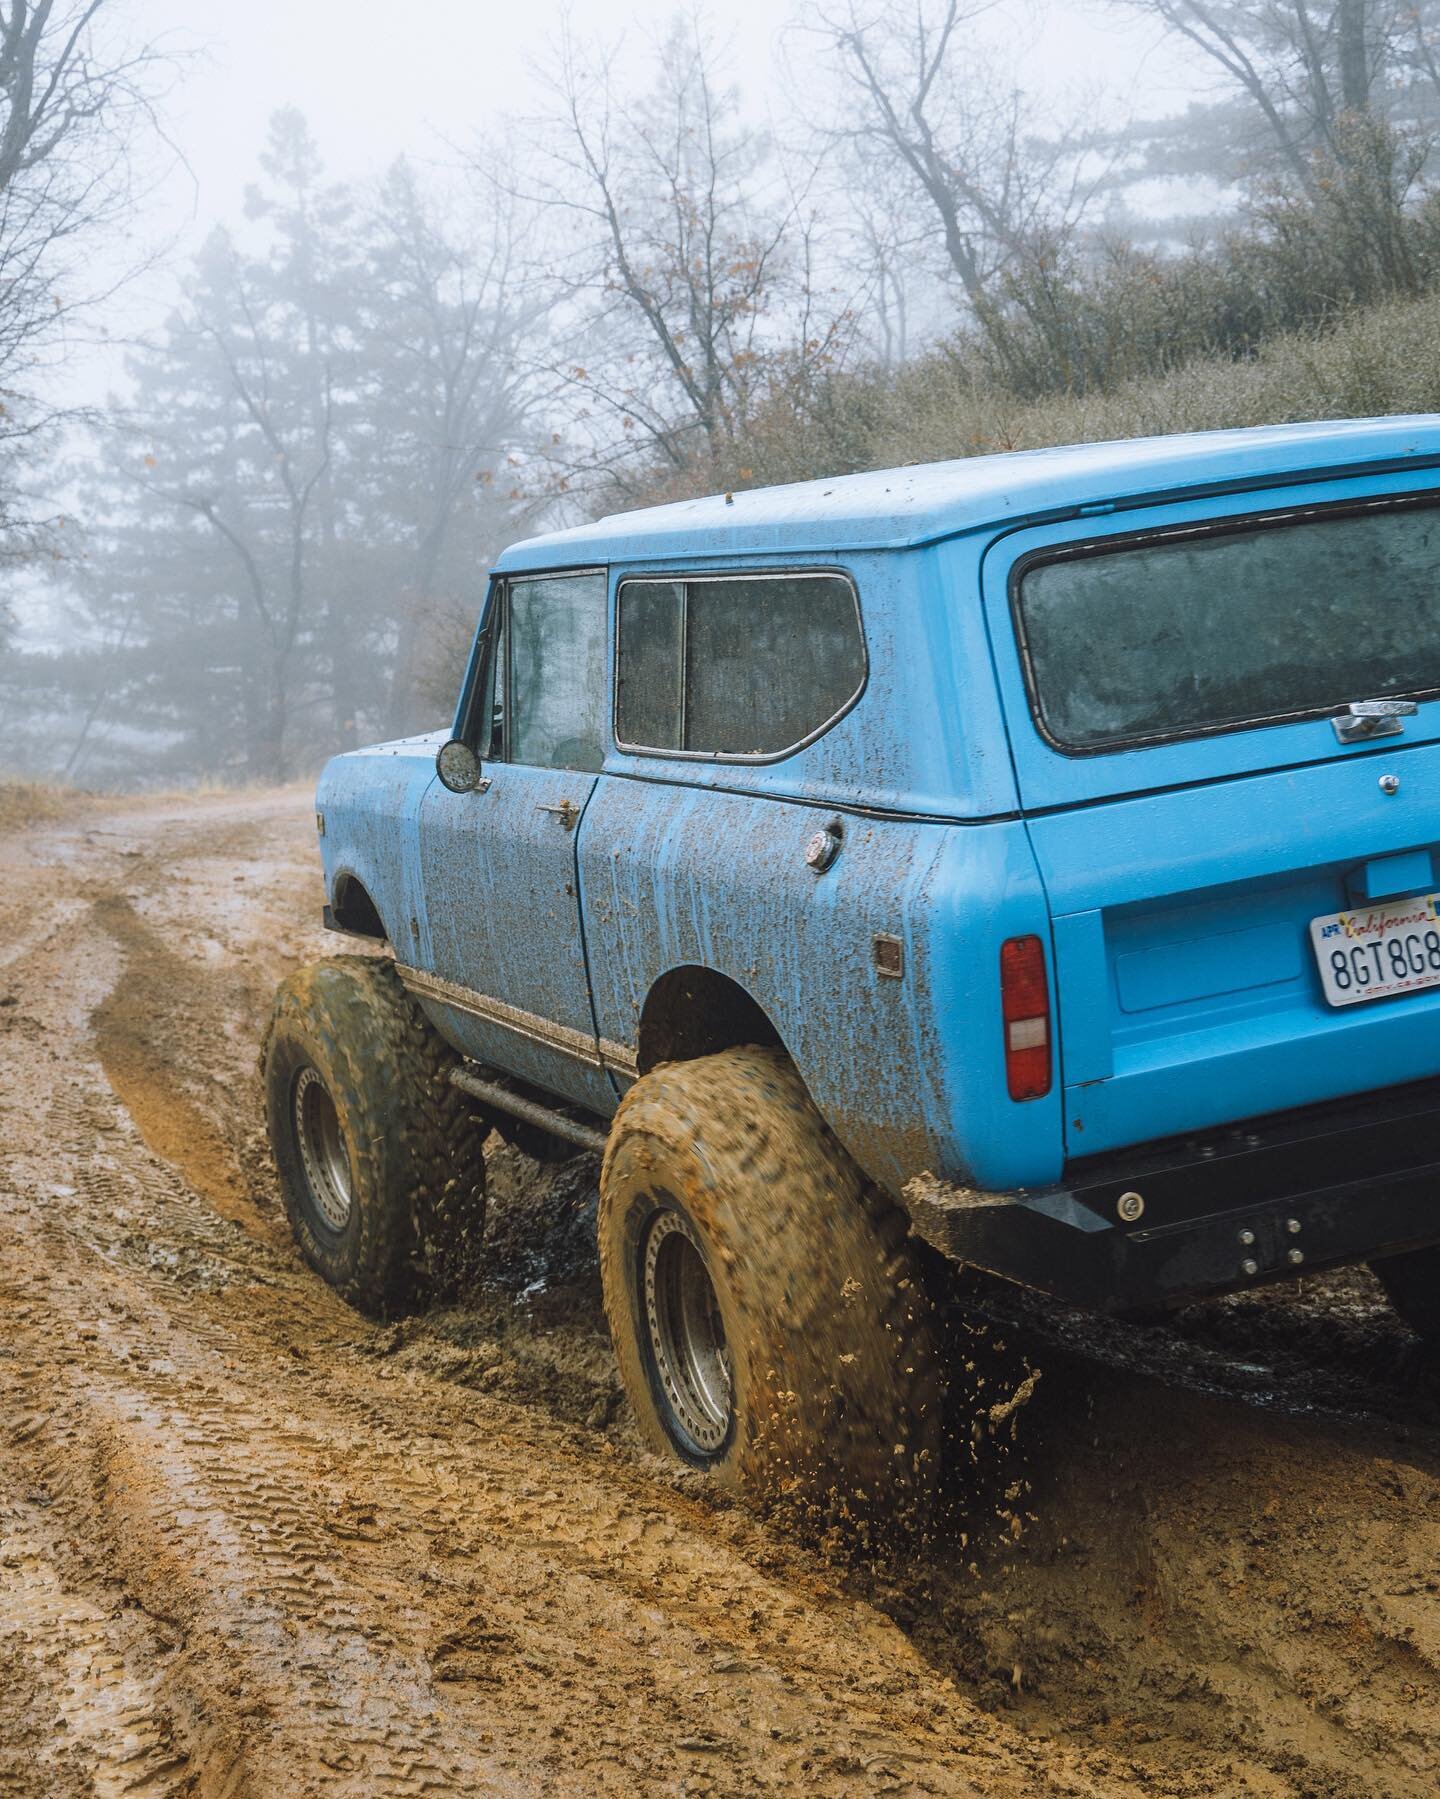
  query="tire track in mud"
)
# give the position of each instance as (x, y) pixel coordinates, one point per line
(208, 1504)
(296, 1542)
(166, 1451)
(203, 1502)
(140, 1067)
(109, 1710)
(204, 1513)
(325, 1569)
(234, 1538)
(214, 1514)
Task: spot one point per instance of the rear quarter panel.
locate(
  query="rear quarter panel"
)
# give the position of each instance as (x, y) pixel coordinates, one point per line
(909, 1073)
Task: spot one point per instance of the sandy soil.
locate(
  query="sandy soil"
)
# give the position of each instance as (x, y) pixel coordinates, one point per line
(251, 1543)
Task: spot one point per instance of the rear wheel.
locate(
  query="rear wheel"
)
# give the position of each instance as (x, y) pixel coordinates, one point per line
(767, 1314)
(379, 1156)
(1412, 1285)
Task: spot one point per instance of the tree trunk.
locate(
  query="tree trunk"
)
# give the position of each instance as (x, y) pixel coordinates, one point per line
(270, 743)
(1354, 59)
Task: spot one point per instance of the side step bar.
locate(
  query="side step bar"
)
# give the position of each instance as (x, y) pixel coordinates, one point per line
(545, 1117)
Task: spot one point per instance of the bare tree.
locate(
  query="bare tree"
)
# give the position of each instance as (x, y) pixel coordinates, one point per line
(71, 98)
(882, 234)
(447, 317)
(915, 90)
(1311, 69)
(304, 484)
(683, 259)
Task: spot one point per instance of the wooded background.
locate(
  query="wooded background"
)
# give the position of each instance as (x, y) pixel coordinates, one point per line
(271, 543)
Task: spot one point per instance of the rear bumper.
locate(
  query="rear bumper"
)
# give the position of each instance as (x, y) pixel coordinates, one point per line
(1346, 1182)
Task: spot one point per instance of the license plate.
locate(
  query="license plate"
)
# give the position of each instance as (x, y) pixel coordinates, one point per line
(1378, 951)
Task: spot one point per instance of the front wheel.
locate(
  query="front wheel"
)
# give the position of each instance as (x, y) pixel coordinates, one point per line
(766, 1311)
(379, 1157)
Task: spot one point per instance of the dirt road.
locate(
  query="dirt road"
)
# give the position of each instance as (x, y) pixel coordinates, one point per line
(253, 1544)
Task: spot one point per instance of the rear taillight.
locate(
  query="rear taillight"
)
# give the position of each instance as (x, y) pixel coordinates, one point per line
(1025, 1007)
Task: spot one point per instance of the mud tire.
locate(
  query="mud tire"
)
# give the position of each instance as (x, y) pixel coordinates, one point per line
(1412, 1285)
(416, 1168)
(836, 1402)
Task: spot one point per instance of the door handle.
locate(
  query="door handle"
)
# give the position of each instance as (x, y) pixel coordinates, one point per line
(1363, 719)
(566, 812)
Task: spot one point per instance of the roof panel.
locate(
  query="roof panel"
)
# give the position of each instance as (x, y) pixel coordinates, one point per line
(890, 508)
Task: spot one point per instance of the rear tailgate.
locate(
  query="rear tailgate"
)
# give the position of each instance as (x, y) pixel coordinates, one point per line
(1184, 875)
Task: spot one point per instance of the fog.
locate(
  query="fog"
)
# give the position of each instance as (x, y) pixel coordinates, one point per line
(304, 316)
(372, 93)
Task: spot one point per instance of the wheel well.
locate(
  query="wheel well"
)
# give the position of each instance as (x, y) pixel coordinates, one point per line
(355, 910)
(694, 1012)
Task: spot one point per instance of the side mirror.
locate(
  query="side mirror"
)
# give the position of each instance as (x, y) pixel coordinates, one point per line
(457, 766)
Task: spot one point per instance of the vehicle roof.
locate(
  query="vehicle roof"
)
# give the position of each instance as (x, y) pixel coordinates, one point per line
(894, 508)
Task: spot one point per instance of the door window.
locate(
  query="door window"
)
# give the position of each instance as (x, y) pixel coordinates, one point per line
(548, 674)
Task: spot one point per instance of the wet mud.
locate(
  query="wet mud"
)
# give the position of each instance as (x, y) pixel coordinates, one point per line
(251, 1543)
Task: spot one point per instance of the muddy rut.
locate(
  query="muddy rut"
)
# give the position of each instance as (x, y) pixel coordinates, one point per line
(251, 1543)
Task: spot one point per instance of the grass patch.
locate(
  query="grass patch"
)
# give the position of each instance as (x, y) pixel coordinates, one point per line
(25, 803)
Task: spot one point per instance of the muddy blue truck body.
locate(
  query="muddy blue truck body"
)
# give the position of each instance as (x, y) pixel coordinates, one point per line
(1070, 818)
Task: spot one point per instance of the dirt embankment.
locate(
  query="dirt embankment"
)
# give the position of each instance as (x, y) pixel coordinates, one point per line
(253, 1543)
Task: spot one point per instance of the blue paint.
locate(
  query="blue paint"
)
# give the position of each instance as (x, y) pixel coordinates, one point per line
(1172, 885)
(1388, 877)
(371, 803)
(895, 508)
(1206, 967)
(486, 860)
(675, 876)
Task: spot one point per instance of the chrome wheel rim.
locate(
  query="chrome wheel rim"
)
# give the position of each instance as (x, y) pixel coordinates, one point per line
(687, 1333)
(322, 1149)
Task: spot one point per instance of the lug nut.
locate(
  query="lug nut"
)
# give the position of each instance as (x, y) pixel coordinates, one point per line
(1249, 1266)
(1294, 1257)
(1247, 1238)
(1293, 1226)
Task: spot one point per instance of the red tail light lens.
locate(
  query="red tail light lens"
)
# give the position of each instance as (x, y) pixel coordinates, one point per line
(1025, 1007)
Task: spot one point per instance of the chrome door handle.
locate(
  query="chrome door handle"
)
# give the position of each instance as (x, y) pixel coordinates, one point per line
(1363, 719)
(566, 812)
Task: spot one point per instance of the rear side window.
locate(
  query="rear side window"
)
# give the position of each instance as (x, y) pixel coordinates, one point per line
(745, 665)
(1213, 630)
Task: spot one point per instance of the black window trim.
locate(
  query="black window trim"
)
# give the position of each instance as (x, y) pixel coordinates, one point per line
(671, 577)
(478, 663)
(1276, 519)
(494, 619)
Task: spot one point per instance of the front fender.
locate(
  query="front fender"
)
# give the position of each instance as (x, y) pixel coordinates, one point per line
(370, 801)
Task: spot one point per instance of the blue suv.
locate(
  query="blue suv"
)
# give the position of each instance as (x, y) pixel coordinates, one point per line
(1034, 855)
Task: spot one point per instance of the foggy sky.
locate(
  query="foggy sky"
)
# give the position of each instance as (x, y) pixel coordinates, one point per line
(456, 67)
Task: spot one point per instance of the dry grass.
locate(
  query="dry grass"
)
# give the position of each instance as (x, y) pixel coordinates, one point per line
(25, 803)
(1384, 359)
